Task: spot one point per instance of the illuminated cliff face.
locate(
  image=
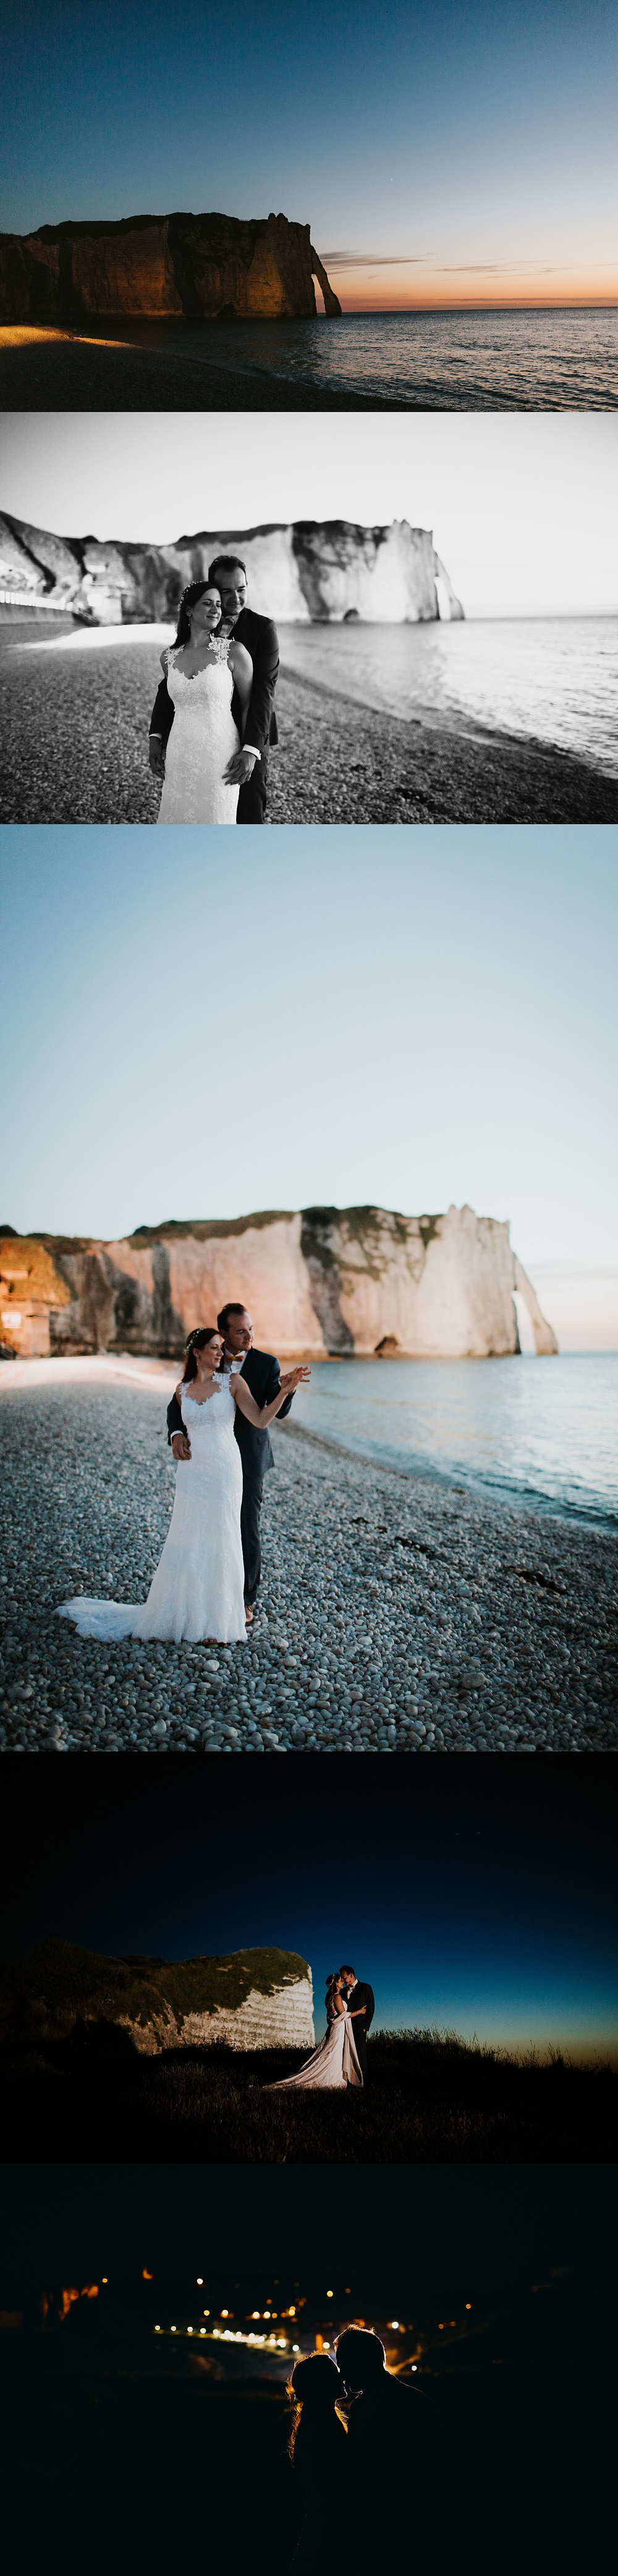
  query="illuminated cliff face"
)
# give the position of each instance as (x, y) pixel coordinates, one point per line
(309, 571)
(251, 1999)
(324, 1281)
(203, 266)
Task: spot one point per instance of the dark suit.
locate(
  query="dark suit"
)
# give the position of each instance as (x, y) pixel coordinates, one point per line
(362, 1995)
(260, 639)
(263, 1377)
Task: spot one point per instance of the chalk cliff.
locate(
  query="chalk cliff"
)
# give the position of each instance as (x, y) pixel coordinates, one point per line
(308, 572)
(206, 267)
(321, 1281)
(251, 1999)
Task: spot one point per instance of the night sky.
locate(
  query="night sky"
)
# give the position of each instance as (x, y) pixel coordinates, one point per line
(463, 152)
(430, 2232)
(476, 1896)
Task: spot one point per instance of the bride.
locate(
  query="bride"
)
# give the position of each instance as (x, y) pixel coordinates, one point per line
(203, 669)
(335, 2063)
(197, 1590)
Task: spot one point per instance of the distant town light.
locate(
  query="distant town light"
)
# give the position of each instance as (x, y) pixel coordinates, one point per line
(205, 2312)
(296, 2347)
(172, 2329)
(105, 2280)
(255, 2312)
(468, 2304)
(202, 2330)
(189, 2329)
(200, 2283)
(157, 2329)
(394, 2321)
(415, 2365)
(329, 2294)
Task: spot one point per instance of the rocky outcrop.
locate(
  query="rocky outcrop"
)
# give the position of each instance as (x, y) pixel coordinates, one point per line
(204, 266)
(308, 572)
(321, 1281)
(251, 1999)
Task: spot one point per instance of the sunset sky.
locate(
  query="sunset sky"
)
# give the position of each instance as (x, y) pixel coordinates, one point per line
(462, 154)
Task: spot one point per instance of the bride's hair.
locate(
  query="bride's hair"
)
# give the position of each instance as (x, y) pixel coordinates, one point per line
(331, 1982)
(197, 1342)
(194, 591)
(312, 2390)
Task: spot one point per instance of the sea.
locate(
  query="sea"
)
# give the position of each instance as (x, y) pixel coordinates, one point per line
(552, 679)
(473, 361)
(536, 1432)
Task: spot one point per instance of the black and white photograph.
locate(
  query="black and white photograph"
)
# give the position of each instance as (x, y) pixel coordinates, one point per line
(415, 623)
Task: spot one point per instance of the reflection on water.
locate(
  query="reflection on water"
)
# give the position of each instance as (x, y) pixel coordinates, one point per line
(552, 678)
(562, 361)
(543, 1432)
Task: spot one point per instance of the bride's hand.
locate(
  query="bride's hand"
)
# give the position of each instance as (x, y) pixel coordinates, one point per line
(295, 1377)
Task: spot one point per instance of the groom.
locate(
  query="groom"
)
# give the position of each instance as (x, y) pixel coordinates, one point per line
(263, 1375)
(362, 2001)
(249, 766)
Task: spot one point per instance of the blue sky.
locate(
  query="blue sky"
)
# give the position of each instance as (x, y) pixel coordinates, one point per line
(461, 1904)
(407, 1018)
(475, 143)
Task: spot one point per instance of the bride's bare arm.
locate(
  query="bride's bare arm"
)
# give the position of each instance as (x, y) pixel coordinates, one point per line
(261, 1416)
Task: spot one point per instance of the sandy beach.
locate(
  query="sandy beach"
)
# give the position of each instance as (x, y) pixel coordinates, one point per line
(396, 1613)
(41, 372)
(77, 724)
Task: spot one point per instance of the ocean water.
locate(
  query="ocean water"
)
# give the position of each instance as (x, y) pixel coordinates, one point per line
(543, 1433)
(473, 361)
(554, 679)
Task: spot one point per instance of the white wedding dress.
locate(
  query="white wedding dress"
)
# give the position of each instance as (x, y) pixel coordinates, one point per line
(202, 740)
(333, 2065)
(197, 1590)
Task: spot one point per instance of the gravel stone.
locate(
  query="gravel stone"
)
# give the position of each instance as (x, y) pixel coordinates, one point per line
(397, 1613)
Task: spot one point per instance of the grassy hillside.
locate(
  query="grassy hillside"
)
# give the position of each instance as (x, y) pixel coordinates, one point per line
(431, 2098)
(60, 1984)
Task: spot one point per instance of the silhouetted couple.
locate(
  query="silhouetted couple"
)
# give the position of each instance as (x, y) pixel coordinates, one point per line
(354, 2497)
(341, 2058)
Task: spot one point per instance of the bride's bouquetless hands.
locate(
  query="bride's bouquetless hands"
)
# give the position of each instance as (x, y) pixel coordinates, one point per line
(295, 1377)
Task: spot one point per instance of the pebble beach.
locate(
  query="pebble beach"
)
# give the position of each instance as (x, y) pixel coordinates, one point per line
(77, 725)
(397, 1613)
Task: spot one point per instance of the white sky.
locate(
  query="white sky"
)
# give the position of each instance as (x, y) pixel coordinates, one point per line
(380, 1015)
(524, 507)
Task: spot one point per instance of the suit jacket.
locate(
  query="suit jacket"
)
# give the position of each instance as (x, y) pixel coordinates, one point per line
(362, 1995)
(263, 1376)
(261, 640)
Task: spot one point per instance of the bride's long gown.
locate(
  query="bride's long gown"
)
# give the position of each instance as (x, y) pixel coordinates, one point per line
(197, 1590)
(333, 2065)
(202, 740)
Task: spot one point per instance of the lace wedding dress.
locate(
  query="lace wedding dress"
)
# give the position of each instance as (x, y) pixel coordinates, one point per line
(197, 1590)
(333, 2065)
(202, 740)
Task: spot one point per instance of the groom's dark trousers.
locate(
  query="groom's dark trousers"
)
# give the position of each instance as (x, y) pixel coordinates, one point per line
(263, 1377)
(362, 1995)
(260, 639)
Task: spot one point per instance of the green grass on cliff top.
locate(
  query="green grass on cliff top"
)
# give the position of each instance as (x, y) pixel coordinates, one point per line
(60, 1983)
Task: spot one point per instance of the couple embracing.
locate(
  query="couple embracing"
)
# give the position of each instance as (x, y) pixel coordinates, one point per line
(213, 718)
(205, 1583)
(341, 2058)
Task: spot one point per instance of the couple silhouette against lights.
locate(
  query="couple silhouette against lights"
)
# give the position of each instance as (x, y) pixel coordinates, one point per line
(353, 2500)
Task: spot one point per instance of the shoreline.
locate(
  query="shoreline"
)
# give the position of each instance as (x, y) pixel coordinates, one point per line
(79, 754)
(398, 1613)
(74, 374)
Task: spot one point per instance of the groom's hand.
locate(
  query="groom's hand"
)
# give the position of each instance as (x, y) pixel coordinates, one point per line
(155, 755)
(240, 768)
(181, 1446)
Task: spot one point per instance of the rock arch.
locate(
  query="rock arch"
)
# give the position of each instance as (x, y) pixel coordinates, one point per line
(331, 301)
